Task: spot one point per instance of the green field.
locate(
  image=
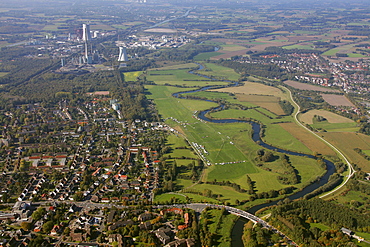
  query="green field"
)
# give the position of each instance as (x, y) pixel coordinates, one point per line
(278, 136)
(163, 198)
(179, 77)
(336, 127)
(174, 142)
(187, 66)
(206, 55)
(322, 227)
(220, 225)
(218, 71)
(331, 52)
(132, 76)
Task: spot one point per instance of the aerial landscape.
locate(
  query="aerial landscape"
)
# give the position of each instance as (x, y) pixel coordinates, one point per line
(184, 123)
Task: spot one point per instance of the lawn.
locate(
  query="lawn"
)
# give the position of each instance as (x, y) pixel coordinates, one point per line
(164, 198)
(322, 227)
(132, 76)
(174, 142)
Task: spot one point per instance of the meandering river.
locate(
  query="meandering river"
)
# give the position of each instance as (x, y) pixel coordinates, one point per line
(256, 136)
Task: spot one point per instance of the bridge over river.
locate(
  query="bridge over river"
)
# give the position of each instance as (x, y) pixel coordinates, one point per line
(199, 207)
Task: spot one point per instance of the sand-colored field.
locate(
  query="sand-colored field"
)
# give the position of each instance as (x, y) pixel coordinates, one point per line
(330, 116)
(336, 100)
(308, 139)
(268, 102)
(253, 88)
(306, 86)
(347, 142)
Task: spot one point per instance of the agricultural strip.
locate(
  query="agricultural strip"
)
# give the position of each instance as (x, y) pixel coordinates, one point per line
(218, 71)
(306, 86)
(309, 140)
(330, 117)
(337, 100)
(347, 142)
(269, 102)
(278, 136)
(254, 88)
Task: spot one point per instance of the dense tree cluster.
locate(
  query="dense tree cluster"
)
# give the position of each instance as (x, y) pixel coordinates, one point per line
(291, 174)
(286, 106)
(264, 70)
(294, 219)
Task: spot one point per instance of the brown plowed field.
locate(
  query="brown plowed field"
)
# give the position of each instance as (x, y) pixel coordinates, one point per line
(308, 139)
(347, 142)
(306, 86)
(337, 100)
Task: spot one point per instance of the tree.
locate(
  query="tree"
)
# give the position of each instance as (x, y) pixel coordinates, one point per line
(47, 226)
(38, 214)
(26, 225)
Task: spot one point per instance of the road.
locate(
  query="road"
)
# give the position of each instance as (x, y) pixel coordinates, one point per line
(350, 167)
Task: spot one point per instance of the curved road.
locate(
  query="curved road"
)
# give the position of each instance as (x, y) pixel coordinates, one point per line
(350, 167)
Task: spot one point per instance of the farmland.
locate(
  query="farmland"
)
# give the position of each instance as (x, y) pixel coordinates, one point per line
(329, 116)
(346, 142)
(306, 86)
(337, 100)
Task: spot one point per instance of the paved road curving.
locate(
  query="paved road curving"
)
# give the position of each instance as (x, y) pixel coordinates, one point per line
(350, 167)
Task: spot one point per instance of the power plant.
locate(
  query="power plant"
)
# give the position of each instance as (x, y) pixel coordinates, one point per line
(86, 35)
(122, 57)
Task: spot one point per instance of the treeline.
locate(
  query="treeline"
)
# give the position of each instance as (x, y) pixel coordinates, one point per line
(291, 174)
(256, 236)
(185, 53)
(286, 106)
(334, 180)
(45, 86)
(281, 51)
(228, 183)
(23, 70)
(292, 219)
(264, 70)
(365, 128)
